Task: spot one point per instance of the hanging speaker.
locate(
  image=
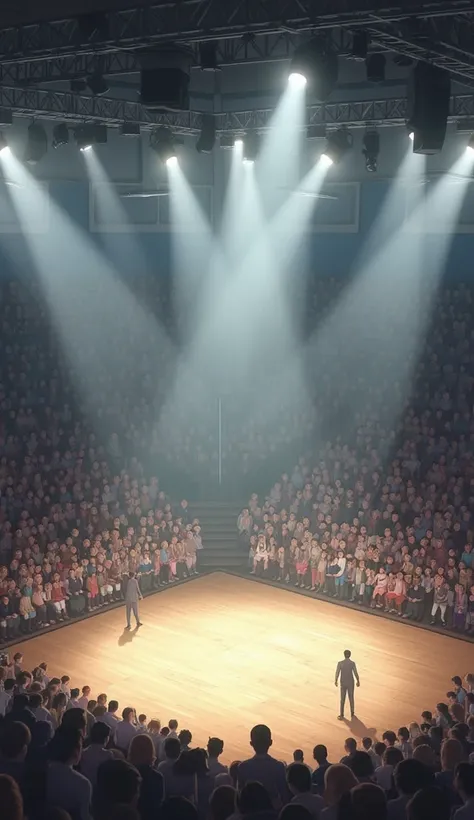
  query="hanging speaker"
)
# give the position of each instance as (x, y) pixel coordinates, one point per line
(429, 96)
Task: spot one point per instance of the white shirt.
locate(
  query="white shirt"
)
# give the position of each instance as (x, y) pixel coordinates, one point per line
(124, 734)
(82, 702)
(383, 776)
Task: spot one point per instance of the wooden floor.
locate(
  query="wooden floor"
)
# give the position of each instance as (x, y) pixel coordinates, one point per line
(222, 653)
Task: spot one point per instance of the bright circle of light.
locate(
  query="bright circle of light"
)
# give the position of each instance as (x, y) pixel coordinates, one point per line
(411, 135)
(86, 148)
(469, 149)
(297, 80)
(4, 151)
(248, 161)
(326, 161)
(238, 143)
(172, 162)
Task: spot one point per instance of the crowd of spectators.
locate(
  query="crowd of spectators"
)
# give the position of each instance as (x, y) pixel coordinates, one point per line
(78, 511)
(68, 754)
(379, 510)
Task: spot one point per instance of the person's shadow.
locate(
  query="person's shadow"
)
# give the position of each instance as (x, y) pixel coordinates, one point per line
(359, 729)
(127, 636)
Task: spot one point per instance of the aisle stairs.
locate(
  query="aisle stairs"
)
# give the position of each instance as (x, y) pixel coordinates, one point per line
(219, 534)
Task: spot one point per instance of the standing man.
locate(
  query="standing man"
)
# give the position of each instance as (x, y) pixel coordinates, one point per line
(132, 596)
(346, 670)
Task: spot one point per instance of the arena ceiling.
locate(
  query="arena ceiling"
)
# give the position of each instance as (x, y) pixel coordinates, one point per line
(68, 40)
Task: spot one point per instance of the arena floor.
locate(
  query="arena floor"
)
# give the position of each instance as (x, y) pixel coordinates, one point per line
(222, 653)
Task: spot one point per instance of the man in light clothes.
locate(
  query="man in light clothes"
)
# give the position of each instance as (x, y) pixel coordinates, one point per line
(132, 596)
(346, 670)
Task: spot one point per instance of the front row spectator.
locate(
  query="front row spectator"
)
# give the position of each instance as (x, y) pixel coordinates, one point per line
(66, 787)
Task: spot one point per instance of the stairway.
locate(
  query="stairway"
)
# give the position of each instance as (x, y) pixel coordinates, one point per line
(218, 521)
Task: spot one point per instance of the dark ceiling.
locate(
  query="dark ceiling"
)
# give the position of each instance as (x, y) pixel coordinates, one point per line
(29, 11)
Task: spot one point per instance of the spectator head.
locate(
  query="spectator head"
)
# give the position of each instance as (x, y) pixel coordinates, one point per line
(347, 653)
(361, 765)
(320, 753)
(86, 690)
(15, 738)
(294, 811)
(350, 745)
(392, 756)
(142, 718)
(456, 710)
(75, 693)
(215, 747)
(35, 701)
(367, 800)
(338, 780)
(464, 780)
(66, 746)
(102, 700)
(75, 719)
(367, 743)
(99, 711)
(298, 756)
(118, 782)
(298, 777)
(410, 776)
(234, 771)
(128, 714)
(379, 748)
(260, 739)
(178, 808)
(112, 707)
(452, 753)
(222, 803)
(11, 800)
(389, 738)
(427, 717)
(253, 798)
(457, 681)
(172, 748)
(21, 702)
(100, 733)
(425, 754)
(185, 737)
(429, 804)
(141, 751)
(173, 725)
(18, 658)
(403, 734)
(65, 680)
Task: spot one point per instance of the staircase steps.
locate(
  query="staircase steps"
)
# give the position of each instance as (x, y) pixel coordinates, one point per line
(218, 520)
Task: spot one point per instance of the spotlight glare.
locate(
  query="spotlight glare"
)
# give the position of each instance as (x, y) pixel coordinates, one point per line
(411, 135)
(172, 162)
(469, 149)
(470, 145)
(326, 161)
(4, 151)
(297, 80)
(85, 148)
(248, 161)
(239, 143)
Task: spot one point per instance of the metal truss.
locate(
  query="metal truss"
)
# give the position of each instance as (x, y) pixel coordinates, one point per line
(199, 20)
(74, 108)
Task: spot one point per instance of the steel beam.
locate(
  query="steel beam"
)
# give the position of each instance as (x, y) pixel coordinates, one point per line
(199, 20)
(74, 108)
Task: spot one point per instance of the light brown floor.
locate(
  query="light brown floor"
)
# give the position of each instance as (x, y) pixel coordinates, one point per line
(223, 653)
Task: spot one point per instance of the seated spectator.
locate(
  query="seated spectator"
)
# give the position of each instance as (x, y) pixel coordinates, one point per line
(320, 755)
(141, 755)
(367, 745)
(96, 752)
(178, 808)
(298, 777)
(350, 747)
(254, 801)
(215, 747)
(11, 800)
(429, 804)
(172, 751)
(464, 785)
(126, 729)
(452, 754)
(360, 763)
(384, 774)
(185, 738)
(222, 803)
(117, 784)
(66, 787)
(263, 768)
(15, 739)
(410, 775)
(364, 801)
(338, 781)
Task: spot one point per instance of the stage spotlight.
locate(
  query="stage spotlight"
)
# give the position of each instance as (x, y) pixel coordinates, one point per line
(470, 145)
(238, 143)
(411, 135)
(164, 143)
(251, 146)
(90, 134)
(37, 144)
(207, 137)
(4, 149)
(60, 135)
(371, 150)
(338, 144)
(172, 162)
(326, 160)
(317, 61)
(297, 80)
(97, 83)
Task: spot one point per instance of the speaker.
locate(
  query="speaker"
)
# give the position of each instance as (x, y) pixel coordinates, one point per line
(429, 96)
